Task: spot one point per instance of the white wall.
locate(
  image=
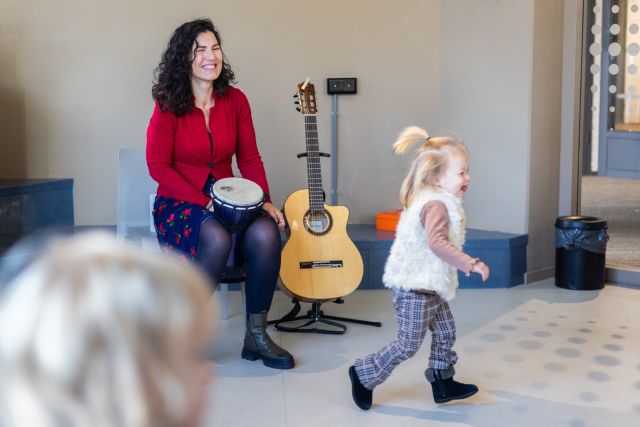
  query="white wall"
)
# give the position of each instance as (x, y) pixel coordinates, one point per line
(545, 136)
(570, 128)
(76, 78)
(485, 65)
(501, 74)
(389, 48)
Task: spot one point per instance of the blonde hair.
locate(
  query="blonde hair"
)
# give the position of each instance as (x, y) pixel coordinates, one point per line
(429, 162)
(96, 333)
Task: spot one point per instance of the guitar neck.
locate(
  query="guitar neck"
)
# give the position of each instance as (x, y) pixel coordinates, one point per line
(314, 173)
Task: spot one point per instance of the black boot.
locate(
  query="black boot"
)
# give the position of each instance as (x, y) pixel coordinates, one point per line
(362, 396)
(445, 388)
(258, 344)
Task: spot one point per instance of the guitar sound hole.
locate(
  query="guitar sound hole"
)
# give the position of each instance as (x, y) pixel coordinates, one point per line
(317, 223)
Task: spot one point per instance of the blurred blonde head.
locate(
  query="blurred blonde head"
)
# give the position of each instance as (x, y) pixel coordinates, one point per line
(97, 333)
(429, 162)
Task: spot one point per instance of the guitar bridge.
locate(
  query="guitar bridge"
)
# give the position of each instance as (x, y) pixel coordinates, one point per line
(321, 264)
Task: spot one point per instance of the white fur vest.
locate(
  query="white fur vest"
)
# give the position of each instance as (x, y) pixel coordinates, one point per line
(411, 263)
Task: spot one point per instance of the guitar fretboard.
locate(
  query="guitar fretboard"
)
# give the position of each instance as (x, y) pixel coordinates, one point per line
(314, 174)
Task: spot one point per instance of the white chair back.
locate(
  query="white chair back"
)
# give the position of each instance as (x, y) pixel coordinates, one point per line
(136, 191)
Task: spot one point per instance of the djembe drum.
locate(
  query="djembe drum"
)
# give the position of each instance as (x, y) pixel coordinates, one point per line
(236, 202)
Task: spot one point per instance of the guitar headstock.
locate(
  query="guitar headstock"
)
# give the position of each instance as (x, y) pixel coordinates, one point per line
(306, 98)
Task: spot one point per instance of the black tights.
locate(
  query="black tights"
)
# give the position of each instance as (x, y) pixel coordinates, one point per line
(260, 247)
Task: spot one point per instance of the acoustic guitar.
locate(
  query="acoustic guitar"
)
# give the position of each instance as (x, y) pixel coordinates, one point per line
(319, 260)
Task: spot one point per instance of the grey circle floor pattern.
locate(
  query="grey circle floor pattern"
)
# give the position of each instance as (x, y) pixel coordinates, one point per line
(607, 360)
(530, 345)
(588, 396)
(493, 338)
(555, 367)
(513, 358)
(566, 352)
(598, 376)
(546, 346)
(613, 347)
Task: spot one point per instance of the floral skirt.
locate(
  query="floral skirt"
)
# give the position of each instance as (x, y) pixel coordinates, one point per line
(178, 222)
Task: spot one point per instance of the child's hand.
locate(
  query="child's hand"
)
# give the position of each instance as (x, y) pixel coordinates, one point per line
(482, 269)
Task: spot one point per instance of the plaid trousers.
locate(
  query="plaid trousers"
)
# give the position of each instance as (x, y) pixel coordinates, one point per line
(414, 313)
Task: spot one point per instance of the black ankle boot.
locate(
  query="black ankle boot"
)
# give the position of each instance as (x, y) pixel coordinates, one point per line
(258, 344)
(362, 396)
(445, 388)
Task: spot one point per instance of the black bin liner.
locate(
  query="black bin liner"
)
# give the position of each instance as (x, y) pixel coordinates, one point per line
(581, 246)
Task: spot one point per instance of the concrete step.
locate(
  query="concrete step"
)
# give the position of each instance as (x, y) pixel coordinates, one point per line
(505, 253)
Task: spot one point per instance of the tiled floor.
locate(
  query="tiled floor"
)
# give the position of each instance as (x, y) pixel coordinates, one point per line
(542, 356)
(618, 201)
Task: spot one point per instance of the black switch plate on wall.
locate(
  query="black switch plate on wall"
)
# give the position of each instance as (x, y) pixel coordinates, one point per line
(342, 86)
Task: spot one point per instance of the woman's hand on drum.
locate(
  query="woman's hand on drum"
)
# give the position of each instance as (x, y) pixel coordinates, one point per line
(274, 213)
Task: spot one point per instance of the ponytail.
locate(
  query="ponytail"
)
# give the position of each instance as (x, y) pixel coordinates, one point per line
(428, 162)
(408, 137)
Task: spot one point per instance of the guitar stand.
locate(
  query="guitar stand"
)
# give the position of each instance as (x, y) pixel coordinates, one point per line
(315, 315)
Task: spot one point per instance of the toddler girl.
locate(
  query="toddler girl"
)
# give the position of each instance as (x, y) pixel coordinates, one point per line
(421, 268)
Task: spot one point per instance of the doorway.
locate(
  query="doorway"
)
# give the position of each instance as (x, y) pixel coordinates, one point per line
(610, 171)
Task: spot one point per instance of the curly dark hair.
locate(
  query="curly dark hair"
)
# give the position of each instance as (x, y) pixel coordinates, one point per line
(172, 77)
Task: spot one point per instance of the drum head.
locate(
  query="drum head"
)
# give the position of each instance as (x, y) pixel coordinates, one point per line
(237, 191)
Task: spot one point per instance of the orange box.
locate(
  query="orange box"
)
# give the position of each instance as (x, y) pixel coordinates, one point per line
(388, 220)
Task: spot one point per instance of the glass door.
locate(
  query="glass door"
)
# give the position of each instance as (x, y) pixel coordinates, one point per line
(619, 142)
(610, 182)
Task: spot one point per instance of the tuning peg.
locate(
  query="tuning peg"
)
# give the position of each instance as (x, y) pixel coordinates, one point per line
(296, 102)
(298, 109)
(295, 96)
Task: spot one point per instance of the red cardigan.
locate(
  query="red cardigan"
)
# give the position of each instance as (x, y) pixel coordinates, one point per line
(179, 154)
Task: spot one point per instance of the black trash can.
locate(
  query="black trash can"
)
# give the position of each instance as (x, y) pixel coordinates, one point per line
(581, 245)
